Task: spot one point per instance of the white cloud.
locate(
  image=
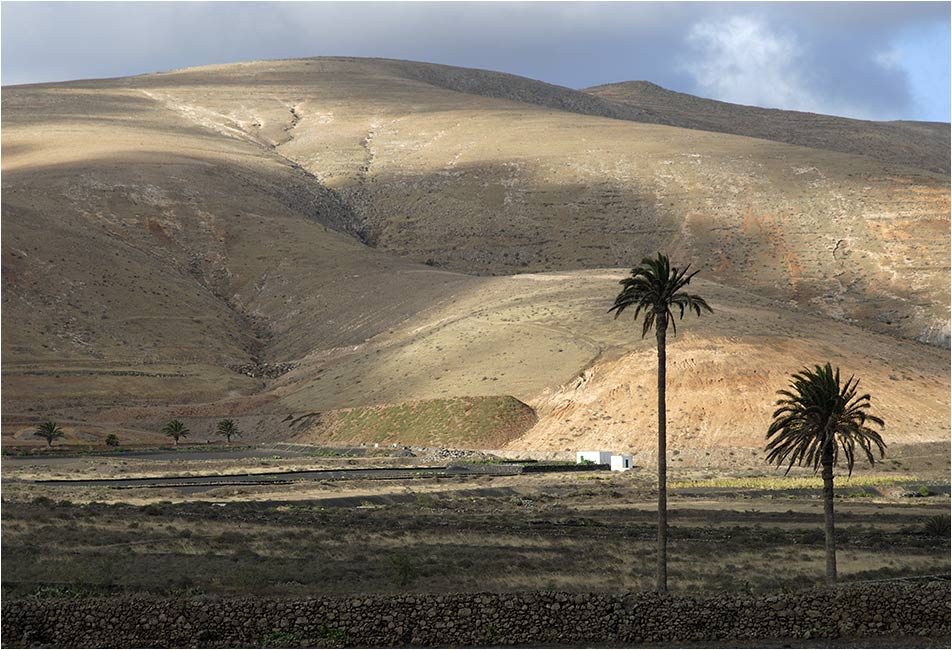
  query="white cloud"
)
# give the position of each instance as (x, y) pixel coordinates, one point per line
(830, 57)
(891, 59)
(743, 60)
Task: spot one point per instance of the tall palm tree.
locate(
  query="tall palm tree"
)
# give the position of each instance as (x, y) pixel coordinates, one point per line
(654, 288)
(817, 419)
(49, 431)
(228, 428)
(175, 430)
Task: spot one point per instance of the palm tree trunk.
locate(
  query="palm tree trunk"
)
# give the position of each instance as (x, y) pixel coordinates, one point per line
(662, 575)
(827, 462)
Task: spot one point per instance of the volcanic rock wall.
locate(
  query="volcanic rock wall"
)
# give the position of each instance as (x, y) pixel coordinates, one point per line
(547, 619)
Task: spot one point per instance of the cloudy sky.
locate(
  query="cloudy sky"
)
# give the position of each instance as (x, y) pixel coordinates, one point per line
(873, 60)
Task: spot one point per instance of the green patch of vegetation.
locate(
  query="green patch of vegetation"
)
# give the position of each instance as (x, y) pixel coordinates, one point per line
(305, 507)
(891, 572)
(458, 422)
(328, 453)
(425, 500)
(332, 634)
(23, 452)
(279, 640)
(63, 591)
(491, 634)
(791, 482)
(405, 572)
(938, 526)
(499, 461)
(184, 590)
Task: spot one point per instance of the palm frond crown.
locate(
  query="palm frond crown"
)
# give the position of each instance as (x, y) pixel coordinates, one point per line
(49, 430)
(228, 428)
(654, 288)
(819, 413)
(176, 428)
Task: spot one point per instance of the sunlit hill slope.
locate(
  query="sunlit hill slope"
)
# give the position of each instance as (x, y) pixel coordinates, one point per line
(277, 239)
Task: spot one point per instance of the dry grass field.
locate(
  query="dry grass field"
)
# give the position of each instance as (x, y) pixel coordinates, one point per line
(736, 526)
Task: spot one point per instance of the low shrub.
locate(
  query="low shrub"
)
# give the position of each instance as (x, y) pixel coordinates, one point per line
(938, 526)
(405, 572)
(812, 536)
(425, 500)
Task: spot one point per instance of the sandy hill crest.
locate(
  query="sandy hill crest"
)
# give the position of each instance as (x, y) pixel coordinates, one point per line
(917, 144)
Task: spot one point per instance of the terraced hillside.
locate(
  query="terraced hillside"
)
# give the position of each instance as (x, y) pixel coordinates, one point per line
(476, 184)
(280, 238)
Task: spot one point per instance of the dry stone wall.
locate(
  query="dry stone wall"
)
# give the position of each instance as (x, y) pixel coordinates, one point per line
(460, 620)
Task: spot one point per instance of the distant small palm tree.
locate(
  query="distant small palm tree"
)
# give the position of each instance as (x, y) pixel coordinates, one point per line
(819, 418)
(175, 430)
(654, 288)
(228, 428)
(49, 431)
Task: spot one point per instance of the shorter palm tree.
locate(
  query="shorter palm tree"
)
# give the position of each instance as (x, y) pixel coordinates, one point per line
(818, 420)
(175, 430)
(49, 431)
(228, 428)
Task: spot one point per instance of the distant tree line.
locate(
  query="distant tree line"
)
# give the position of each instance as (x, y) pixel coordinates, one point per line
(174, 429)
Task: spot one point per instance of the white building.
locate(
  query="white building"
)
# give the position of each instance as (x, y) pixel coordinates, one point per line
(597, 457)
(620, 463)
(617, 462)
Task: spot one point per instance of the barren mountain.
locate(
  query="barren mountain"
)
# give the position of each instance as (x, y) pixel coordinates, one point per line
(917, 144)
(250, 240)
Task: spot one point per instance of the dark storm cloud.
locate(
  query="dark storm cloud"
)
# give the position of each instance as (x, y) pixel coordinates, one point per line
(848, 58)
